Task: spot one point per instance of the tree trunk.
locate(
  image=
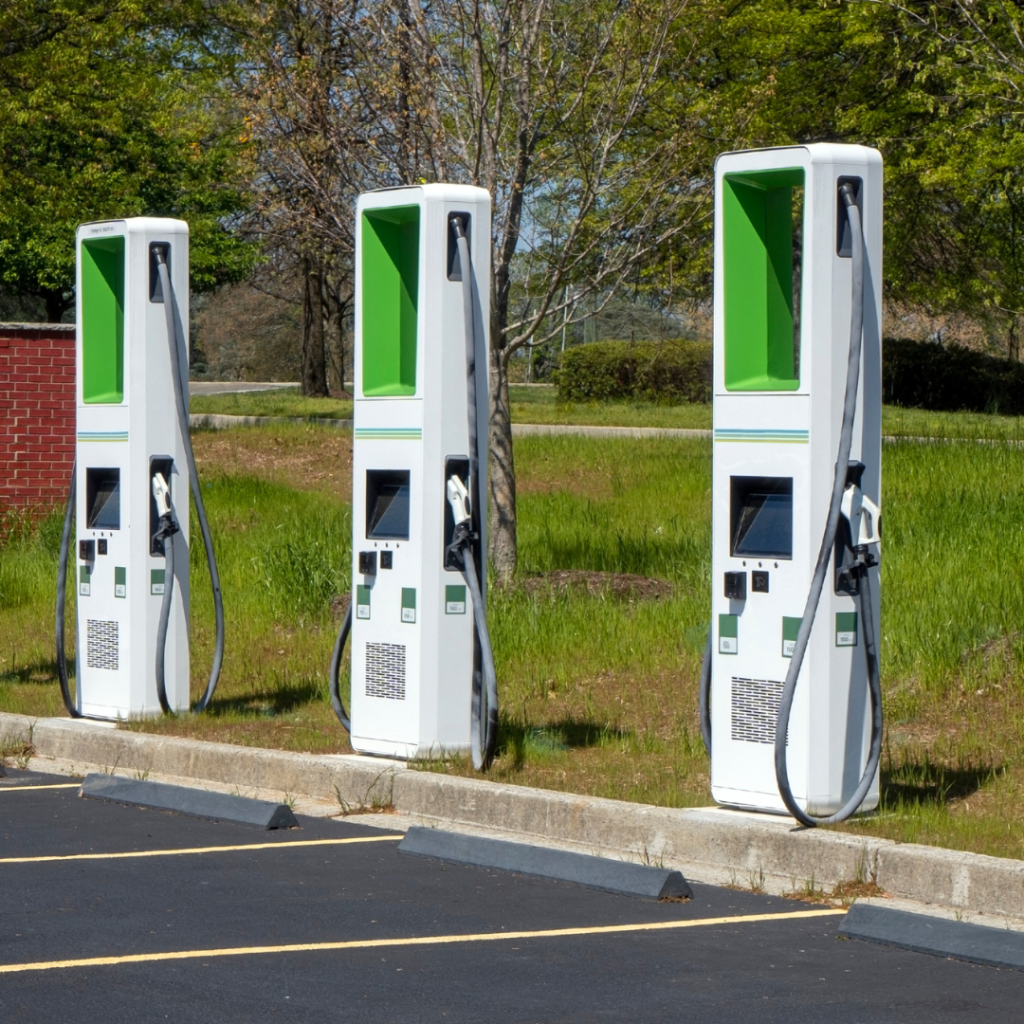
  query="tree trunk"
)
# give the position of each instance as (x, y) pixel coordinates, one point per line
(501, 542)
(314, 357)
(342, 313)
(56, 306)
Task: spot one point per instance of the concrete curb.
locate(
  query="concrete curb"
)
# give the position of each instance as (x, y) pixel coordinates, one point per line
(710, 845)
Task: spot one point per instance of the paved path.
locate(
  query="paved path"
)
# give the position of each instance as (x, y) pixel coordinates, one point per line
(221, 422)
(527, 429)
(232, 387)
(113, 913)
(216, 421)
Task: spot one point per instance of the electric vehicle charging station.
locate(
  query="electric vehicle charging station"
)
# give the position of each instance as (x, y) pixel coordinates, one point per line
(791, 671)
(422, 679)
(133, 463)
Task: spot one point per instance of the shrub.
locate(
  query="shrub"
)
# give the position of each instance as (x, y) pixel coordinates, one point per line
(915, 374)
(950, 378)
(674, 371)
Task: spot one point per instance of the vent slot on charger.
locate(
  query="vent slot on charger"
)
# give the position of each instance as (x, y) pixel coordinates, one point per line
(102, 644)
(385, 671)
(755, 709)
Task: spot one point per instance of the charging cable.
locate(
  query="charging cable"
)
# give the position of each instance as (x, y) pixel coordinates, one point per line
(167, 527)
(177, 353)
(484, 710)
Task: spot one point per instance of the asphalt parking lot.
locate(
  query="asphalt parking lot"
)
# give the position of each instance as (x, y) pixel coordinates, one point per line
(112, 913)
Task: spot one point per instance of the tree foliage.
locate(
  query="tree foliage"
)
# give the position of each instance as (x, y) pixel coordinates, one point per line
(112, 110)
(937, 88)
(594, 128)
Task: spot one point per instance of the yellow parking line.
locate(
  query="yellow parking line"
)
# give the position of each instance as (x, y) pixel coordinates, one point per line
(281, 845)
(426, 940)
(21, 789)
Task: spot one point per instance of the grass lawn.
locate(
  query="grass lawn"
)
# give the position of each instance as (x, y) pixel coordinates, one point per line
(599, 686)
(539, 404)
(279, 402)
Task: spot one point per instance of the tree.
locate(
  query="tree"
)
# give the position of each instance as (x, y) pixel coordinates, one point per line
(970, 76)
(332, 97)
(575, 118)
(936, 86)
(112, 110)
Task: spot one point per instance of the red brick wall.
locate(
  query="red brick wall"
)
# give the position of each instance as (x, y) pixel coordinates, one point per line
(37, 414)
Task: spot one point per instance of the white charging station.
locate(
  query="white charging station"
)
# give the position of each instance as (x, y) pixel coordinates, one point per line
(127, 431)
(421, 408)
(783, 301)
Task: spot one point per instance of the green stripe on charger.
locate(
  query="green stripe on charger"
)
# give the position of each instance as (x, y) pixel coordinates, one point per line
(103, 435)
(389, 433)
(775, 436)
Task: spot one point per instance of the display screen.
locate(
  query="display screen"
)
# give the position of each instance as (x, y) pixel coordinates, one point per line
(762, 517)
(387, 504)
(103, 499)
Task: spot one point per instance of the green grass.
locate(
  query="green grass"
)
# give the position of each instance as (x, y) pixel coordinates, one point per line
(279, 402)
(539, 404)
(897, 422)
(599, 691)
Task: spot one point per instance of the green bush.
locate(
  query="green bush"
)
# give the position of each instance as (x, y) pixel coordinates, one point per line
(915, 374)
(674, 371)
(949, 378)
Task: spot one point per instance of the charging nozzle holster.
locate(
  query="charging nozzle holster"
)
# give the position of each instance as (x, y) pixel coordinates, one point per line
(860, 529)
(166, 524)
(463, 533)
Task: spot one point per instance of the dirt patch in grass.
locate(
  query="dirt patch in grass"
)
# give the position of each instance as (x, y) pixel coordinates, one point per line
(307, 459)
(339, 605)
(625, 585)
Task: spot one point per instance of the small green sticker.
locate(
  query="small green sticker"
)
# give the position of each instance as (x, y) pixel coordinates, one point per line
(84, 580)
(120, 581)
(362, 601)
(408, 604)
(728, 634)
(846, 629)
(156, 581)
(790, 628)
(454, 600)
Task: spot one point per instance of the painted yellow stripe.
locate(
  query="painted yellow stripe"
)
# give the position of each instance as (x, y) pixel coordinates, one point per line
(21, 789)
(425, 940)
(282, 845)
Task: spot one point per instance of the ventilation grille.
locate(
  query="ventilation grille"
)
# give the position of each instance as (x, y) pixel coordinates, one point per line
(385, 671)
(101, 644)
(755, 709)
